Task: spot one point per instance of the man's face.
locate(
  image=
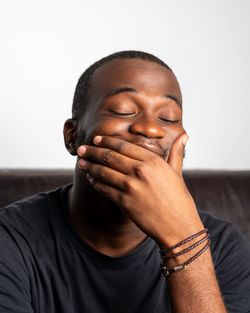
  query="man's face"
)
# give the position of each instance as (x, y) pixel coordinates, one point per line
(134, 100)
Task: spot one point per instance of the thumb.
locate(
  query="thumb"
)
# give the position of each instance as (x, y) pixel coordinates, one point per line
(176, 155)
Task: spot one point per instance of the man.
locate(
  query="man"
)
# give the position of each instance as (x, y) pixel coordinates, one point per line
(94, 246)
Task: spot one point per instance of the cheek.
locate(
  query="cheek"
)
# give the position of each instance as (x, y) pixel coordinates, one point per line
(172, 133)
(106, 127)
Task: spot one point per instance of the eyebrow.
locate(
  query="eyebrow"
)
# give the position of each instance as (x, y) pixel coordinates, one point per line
(116, 91)
(167, 96)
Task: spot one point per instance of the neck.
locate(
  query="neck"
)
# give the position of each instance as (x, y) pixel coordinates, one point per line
(99, 222)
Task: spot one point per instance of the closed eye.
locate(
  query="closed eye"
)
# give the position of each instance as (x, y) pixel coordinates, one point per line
(121, 113)
(168, 121)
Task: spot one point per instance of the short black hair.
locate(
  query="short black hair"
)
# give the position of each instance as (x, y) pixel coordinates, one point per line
(81, 95)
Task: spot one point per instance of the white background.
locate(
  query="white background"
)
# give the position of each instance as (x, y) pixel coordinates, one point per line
(47, 44)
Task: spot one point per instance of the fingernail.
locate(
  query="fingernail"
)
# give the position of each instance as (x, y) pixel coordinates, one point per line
(81, 150)
(184, 140)
(97, 139)
(82, 163)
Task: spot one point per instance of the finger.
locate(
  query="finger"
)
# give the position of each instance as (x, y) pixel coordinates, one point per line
(124, 147)
(104, 174)
(176, 155)
(107, 157)
(109, 192)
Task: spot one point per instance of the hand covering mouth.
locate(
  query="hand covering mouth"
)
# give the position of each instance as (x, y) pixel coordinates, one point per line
(151, 145)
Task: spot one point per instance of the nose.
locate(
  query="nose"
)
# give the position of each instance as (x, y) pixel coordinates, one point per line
(147, 127)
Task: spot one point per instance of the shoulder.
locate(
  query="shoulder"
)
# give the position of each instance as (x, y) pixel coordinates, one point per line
(28, 227)
(33, 213)
(226, 239)
(231, 256)
(29, 231)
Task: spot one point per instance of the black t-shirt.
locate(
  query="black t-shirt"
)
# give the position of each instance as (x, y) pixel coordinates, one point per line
(45, 267)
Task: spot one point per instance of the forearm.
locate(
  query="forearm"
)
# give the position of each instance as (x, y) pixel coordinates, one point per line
(195, 289)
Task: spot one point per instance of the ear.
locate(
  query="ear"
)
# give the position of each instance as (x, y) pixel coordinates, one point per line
(70, 135)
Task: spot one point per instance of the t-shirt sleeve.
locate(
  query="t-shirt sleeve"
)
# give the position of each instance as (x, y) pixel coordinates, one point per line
(14, 279)
(232, 265)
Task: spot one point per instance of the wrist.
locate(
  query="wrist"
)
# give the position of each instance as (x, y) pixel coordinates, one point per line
(180, 255)
(166, 240)
(176, 228)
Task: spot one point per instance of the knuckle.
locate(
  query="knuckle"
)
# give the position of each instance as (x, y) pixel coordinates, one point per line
(99, 172)
(123, 146)
(95, 170)
(141, 171)
(122, 200)
(129, 186)
(107, 156)
(104, 190)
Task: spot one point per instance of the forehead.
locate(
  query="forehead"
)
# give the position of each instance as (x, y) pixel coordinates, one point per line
(143, 76)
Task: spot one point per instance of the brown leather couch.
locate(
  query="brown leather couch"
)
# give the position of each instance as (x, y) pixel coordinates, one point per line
(225, 194)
